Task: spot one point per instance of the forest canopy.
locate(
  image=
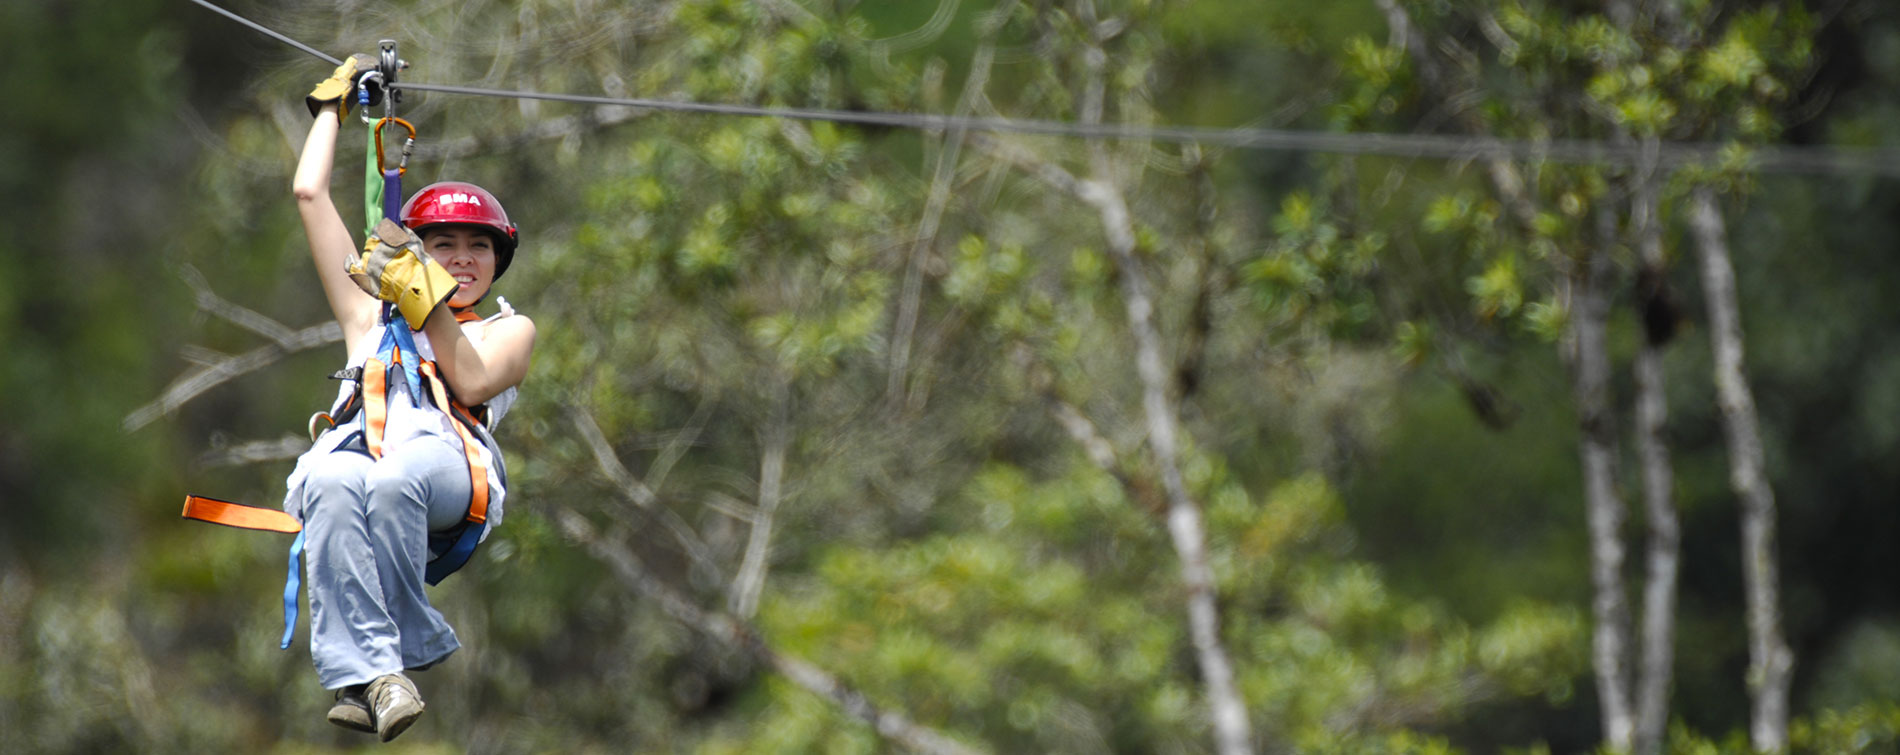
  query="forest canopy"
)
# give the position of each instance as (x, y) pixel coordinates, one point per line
(1487, 376)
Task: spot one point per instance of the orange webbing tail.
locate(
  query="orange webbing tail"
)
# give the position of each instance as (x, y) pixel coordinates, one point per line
(239, 515)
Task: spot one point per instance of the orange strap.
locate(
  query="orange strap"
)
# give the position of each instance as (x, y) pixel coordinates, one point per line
(471, 446)
(239, 515)
(375, 405)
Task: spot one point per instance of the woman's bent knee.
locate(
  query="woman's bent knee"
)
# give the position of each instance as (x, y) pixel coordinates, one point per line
(336, 481)
(395, 490)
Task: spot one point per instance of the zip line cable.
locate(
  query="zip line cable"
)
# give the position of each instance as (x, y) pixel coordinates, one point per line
(1763, 159)
(268, 32)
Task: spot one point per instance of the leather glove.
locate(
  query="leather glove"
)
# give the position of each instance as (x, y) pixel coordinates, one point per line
(340, 88)
(394, 269)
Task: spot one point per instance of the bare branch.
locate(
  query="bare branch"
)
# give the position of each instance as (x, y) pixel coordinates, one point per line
(639, 494)
(751, 580)
(1437, 81)
(944, 174)
(1233, 733)
(1094, 91)
(189, 386)
(254, 452)
(217, 368)
(1048, 172)
(1083, 431)
(1590, 384)
(1401, 33)
(792, 11)
(202, 356)
(922, 35)
(684, 439)
(293, 124)
(1770, 662)
(1604, 507)
(237, 315)
(801, 140)
(635, 490)
(730, 506)
(739, 635)
(1664, 554)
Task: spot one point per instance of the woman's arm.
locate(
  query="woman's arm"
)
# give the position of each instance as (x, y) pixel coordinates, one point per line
(480, 370)
(330, 244)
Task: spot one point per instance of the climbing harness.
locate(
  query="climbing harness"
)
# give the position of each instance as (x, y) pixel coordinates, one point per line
(398, 360)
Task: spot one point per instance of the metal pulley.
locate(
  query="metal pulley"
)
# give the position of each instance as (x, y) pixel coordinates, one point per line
(388, 64)
(384, 76)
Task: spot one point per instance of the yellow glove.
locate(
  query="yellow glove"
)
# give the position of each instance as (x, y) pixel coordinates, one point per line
(341, 86)
(394, 269)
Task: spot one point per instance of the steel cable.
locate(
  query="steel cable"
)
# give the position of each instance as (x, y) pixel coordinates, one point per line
(271, 33)
(1762, 159)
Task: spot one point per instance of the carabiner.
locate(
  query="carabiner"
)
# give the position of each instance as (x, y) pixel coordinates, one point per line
(362, 93)
(403, 166)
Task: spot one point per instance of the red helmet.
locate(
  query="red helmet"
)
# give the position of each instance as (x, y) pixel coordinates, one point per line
(462, 203)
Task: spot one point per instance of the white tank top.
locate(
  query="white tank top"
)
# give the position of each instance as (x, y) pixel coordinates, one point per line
(409, 420)
(426, 419)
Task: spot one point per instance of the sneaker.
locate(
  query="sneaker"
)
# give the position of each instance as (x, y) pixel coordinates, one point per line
(395, 703)
(351, 710)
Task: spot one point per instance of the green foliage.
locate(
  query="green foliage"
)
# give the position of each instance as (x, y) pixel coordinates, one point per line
(1867, 727)
(1042, 630)
(1863, 728)
(1314, 274)
(1391, 576)
(79, 343)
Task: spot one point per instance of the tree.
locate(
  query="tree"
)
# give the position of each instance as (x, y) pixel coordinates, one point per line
(1644, 73)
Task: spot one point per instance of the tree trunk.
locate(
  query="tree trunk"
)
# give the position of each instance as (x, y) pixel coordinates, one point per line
(1590, 367)
(1770, 662)
(1231, 730)
(1610, 641)
(1227, 710)
(1654, 671)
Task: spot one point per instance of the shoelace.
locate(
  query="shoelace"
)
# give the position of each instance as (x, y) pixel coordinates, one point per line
(384, 692)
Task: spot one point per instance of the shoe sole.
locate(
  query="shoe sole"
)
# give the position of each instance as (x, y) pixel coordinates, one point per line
(398, 724)
(353, 722)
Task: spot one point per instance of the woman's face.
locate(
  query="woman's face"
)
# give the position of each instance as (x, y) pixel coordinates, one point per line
(468, 254)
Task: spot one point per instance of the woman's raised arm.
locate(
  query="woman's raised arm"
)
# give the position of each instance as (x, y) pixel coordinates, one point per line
(331, 246)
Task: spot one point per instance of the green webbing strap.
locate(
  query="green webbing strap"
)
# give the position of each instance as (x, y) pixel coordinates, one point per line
(372, 185)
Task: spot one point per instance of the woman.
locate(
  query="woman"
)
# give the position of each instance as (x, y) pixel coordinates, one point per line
(403, 468)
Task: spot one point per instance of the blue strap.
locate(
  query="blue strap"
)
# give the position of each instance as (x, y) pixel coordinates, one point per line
(397, 338)
(292, 585)
(451, 560)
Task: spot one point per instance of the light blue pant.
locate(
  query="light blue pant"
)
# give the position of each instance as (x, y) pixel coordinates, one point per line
(366, 538)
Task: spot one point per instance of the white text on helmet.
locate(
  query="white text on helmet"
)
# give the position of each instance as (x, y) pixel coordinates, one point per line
(463, 198)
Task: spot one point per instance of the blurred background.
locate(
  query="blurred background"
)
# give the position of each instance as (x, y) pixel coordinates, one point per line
(832, 422)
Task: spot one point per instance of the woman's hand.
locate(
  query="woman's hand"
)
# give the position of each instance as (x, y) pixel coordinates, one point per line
(340, 88)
